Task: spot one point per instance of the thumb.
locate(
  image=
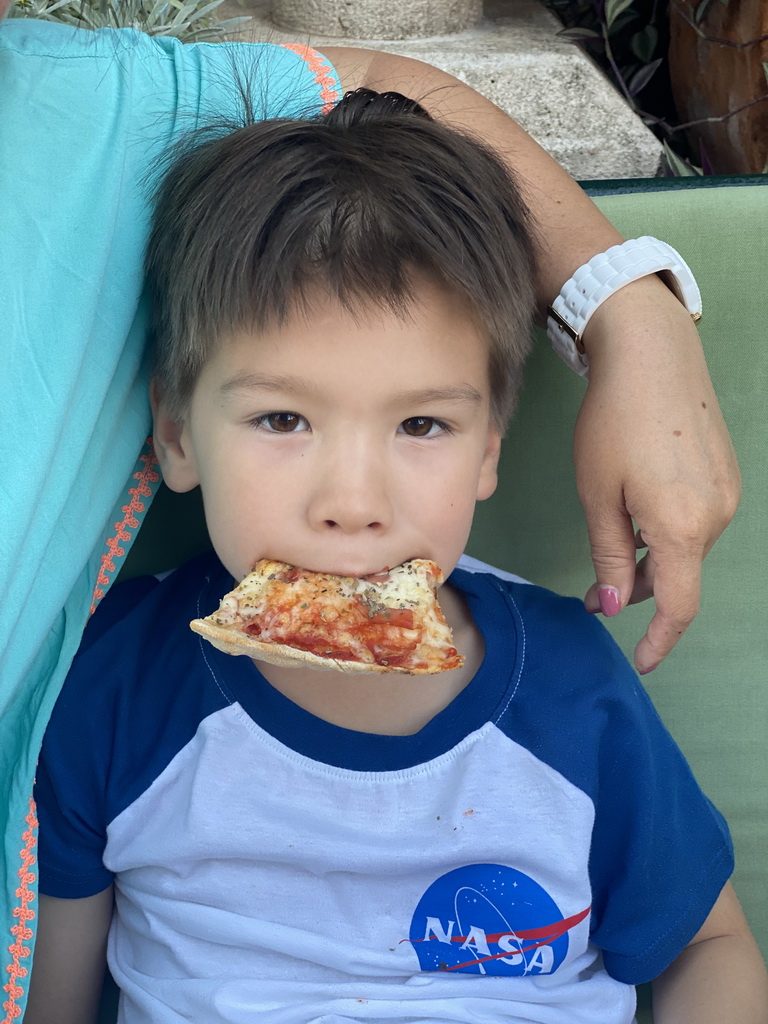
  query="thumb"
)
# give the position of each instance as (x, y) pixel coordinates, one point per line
(612, 543)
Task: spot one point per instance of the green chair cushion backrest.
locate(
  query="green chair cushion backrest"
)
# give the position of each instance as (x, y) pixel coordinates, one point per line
(712, 692)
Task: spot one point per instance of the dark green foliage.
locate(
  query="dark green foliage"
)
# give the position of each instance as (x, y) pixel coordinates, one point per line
(629, 39)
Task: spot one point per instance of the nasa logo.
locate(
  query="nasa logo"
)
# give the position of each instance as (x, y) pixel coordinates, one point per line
(490, 919)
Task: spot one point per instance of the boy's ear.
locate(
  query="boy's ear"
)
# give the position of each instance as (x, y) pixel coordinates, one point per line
(173, 446)
(489, 476)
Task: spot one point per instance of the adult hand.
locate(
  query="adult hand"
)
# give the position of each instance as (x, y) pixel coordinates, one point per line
(4, 7)
(651, 448)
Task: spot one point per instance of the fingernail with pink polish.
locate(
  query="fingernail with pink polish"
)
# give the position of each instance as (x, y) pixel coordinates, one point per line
(610, 602)
(645, 671)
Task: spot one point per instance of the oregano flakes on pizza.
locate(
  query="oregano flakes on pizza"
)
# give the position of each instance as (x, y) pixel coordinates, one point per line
(388, 622)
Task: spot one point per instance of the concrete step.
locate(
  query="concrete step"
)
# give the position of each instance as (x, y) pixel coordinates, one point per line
(513, 57)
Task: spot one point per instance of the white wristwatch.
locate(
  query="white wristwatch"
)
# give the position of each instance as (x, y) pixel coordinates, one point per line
(604, 274)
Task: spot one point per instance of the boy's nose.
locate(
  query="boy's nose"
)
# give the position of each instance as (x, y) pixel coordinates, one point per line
(351, 494)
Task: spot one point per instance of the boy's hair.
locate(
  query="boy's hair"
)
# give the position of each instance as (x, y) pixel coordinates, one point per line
(361, 202)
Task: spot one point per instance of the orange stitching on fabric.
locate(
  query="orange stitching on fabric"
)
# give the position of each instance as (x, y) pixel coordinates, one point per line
(23, 913)
(145, 476)
(322, 72)
(24, 894)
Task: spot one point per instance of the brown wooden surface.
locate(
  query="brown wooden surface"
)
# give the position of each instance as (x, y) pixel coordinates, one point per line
(715, 72)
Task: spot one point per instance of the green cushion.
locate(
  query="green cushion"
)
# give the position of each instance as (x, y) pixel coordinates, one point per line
(713, 690)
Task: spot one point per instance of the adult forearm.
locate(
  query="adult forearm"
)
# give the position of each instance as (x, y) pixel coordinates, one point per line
(571, 228)
(718, 981)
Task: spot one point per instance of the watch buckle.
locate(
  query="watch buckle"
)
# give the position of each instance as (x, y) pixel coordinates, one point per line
(571, 331)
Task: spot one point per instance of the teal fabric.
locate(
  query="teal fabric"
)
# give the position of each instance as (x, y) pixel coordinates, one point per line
(84, 117)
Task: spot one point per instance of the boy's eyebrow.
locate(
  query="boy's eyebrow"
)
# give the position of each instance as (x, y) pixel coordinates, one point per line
(449, 393)
(247, 381)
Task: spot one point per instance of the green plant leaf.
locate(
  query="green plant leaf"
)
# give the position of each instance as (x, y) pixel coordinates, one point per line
(205, 10)
(643, 43)
(182, 13)
(189, 20)
(613, 8)
(154, 14)
(575, 34)
(701, 10)
(680, 168)
(50, 8)
(638, 81)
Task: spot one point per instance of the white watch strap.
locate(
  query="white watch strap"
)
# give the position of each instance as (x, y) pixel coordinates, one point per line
(604, 274)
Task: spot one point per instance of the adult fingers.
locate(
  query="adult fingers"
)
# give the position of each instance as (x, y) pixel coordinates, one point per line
(676, 587)
(675, 579)
(642, 587)
(612, 543)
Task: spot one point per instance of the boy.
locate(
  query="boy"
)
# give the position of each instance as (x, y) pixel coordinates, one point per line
(342, 313)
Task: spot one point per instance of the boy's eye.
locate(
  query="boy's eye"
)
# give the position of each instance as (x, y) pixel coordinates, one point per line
(282, 422)
(421, 426)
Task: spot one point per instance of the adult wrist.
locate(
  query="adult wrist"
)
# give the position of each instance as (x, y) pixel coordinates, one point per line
(632, 315)
(603, 278)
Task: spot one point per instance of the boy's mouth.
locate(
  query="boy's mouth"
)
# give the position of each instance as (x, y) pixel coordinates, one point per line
(378, 575)
(374, 576)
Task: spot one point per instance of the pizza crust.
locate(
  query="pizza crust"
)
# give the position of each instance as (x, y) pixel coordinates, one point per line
(231, 642)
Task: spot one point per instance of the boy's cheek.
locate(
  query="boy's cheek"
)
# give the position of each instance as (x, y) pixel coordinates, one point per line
(245, 526)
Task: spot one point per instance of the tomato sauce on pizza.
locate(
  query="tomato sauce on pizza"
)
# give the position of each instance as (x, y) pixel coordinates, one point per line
(388, 622)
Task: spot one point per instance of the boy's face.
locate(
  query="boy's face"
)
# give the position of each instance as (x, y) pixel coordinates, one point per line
(340, 444)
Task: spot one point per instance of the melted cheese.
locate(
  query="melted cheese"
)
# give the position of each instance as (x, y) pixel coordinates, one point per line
(333, 614)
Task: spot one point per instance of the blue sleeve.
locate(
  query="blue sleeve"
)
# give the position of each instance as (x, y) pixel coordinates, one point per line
(660, 851)
(135, 695)
(71, 784)
(72, 832)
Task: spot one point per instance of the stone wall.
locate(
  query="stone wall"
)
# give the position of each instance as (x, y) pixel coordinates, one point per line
(507, 49)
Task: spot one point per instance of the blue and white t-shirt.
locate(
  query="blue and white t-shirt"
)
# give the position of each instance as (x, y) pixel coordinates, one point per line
(535, 850)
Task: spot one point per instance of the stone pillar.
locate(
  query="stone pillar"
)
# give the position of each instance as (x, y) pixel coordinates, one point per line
(377, 19)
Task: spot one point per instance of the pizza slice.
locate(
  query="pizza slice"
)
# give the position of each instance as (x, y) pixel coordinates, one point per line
(389, 622)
